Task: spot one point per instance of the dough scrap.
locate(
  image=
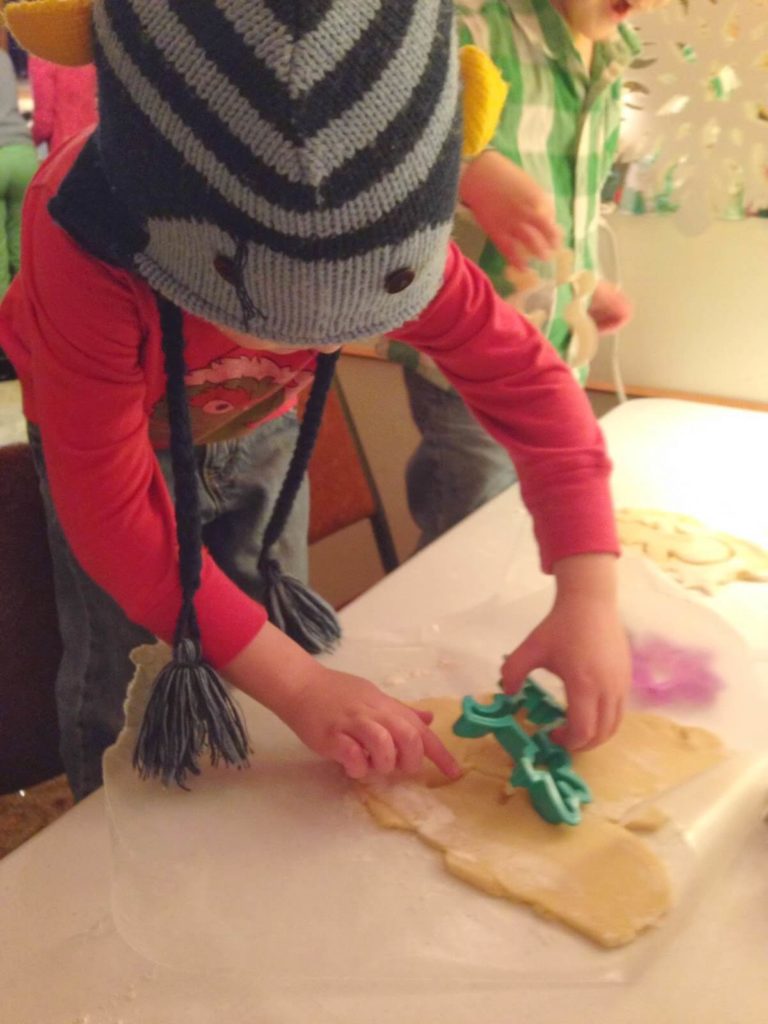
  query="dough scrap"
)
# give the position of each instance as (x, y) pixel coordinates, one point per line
(697, 557)
(599, 878)
(645, 818)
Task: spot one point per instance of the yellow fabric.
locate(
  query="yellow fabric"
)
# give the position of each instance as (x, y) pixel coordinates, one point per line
(60, 31)
(485, 93)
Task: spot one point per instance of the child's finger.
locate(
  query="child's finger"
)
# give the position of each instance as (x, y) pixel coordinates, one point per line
(533, 241)
(407, 735)
(545, 224)
(610, 710)
(512, 252)
(604, 718)
(581, 724)
(425, 716)
(621, 707)
(351, 757)
(378, 743)
(612, 716)
(518, 666)
(440, 757)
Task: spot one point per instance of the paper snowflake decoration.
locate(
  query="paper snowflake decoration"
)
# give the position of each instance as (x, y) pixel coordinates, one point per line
(696, 113)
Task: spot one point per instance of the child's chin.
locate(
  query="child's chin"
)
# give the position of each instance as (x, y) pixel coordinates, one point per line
(602, 33)
(601, 29)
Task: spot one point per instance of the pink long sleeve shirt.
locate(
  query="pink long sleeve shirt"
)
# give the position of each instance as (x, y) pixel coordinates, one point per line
(86, 341)
(65, 101)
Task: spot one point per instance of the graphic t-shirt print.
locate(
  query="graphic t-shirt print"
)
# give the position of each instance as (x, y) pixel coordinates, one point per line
(230, 396)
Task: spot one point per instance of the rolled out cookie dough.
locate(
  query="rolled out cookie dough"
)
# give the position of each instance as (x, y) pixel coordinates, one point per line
(598, 878)
(697, 557)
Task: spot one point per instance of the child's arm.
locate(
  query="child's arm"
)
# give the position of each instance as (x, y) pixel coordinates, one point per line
(516, 214)
(510, 207)
(527, 399)
(340, 716)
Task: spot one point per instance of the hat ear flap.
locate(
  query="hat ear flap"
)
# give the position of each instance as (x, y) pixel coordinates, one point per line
(485, 93)
(60, 31)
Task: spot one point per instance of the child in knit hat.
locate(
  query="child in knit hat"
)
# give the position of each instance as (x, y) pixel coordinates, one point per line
(269, 179)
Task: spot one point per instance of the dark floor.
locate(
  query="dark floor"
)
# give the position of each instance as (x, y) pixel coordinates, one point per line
(23, 814)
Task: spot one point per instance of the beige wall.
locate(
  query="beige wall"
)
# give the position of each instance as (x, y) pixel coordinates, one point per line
(702, 300)
(701, 320)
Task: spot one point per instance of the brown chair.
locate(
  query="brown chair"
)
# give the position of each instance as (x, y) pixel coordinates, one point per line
(30, 646)
(342, 488)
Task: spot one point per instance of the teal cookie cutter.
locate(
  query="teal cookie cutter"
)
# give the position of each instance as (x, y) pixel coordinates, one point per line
(542, 766)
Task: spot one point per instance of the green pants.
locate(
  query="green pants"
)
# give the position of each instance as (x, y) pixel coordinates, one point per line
(17, 167)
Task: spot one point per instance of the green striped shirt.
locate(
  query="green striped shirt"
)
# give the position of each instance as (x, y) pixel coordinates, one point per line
(560, 124)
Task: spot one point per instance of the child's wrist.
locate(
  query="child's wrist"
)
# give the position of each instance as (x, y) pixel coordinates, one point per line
(272, 669)
(591, 575)
(475, 177)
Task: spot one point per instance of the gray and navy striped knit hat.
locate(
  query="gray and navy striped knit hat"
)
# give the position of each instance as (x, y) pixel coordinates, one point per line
(284, 168)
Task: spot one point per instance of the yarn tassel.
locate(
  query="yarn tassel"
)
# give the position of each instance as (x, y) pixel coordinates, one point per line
(190, 709)
(188, 712)
(298, 611)
(295, 609)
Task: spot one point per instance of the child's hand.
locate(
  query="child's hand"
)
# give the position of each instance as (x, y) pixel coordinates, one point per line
(582, 640)
(511, 208)
(611, 308)
(349, 720)
(339, 716)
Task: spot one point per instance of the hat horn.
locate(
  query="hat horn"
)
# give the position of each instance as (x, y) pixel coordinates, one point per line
(60, 31)
(485, 93)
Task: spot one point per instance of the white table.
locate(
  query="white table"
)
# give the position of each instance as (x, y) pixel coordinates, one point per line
(61, 961)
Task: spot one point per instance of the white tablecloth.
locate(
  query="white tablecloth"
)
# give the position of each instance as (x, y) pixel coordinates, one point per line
(62, 962)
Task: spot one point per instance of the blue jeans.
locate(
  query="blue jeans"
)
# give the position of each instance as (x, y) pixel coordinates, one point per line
(457, 466)
(238, 482)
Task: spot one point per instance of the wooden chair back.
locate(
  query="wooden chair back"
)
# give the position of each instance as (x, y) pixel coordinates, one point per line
(342, 489)
(30, 646)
